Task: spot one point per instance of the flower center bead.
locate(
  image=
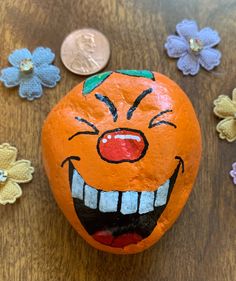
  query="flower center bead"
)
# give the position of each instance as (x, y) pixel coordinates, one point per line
(26, 66)
(3, 176)
(195, 45)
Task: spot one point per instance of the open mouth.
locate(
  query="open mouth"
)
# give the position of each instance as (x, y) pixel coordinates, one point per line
(119, 218)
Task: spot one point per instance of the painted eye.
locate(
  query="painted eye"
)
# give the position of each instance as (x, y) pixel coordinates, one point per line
(94, 132)
(152, 122)
(162, 122)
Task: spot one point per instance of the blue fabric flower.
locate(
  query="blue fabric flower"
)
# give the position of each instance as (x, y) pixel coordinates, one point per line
(193, 47)
(30, 72)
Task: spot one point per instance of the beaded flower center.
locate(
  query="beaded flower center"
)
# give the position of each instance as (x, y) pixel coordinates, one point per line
(3, 176)
(26, 66)
(195, 45)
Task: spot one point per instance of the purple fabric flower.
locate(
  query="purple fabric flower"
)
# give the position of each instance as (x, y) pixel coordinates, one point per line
(233, 172)
(193, 47)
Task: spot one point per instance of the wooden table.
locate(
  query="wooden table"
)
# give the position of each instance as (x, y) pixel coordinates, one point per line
(36, 241)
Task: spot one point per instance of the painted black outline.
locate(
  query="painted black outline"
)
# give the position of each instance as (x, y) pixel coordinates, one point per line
(119, 200)
(153, 76)
(163, 122)
(152, 125)
(96, 131)
(181, 162)
(146, 144)
(68, 159)
(84, 94)
(137, 102)
(109, 104)
(158, 210)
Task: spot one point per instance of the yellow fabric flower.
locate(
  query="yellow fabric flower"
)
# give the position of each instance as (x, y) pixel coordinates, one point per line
(226, 108)
(12, 172)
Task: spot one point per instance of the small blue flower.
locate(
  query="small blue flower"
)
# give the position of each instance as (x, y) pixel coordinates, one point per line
(193, 47)
(30, 72)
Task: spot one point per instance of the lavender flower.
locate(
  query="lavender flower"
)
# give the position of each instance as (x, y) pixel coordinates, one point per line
(233, 172)
(193, 47)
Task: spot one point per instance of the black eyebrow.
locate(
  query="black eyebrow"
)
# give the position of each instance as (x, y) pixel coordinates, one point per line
(95, 132)
(152, 124)
(137, 102)
(108, 103)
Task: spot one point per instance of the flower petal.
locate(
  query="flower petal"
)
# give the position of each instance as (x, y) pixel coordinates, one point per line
(227, 129)
(176, 46)
(208, 37)
(234, 167)
(233, 176)
(234, 95)
(21, 171)
(188, 64)
(30, 88)
(48, 74)
(42, 56)
(187, 29)
(209, 58)
(17, 56)
(9, 192)
(7, 155)
(224, 107)
(10, 76)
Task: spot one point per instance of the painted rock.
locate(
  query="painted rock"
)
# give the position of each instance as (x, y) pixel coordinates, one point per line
(121, 152)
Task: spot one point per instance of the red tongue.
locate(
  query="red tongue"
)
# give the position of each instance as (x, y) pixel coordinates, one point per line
(103, 236)
(106, 237)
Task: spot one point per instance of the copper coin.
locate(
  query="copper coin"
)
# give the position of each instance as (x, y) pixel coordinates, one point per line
(85, 51)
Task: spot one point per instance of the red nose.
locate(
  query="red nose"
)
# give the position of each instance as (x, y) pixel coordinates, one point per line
(122, 145)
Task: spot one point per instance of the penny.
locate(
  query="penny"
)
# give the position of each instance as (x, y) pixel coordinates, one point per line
(85, 51)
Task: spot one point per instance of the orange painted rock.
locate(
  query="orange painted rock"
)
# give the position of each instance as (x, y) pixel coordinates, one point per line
(121, 152)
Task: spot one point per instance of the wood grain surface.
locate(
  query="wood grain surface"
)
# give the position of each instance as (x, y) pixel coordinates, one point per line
(36, 241)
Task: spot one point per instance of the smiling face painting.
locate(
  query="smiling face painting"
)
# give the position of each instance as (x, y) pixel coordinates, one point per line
(121, 152)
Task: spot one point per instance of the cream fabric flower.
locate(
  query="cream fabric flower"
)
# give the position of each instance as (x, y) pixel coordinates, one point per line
(226, 108)
(12, 172)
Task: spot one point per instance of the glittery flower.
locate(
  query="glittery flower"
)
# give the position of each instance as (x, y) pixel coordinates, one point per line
(226, 108)
(12, 172)
(193, 47)
(31, 72)
(233, 172)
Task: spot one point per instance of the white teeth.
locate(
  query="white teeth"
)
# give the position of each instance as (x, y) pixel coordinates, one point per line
(146, 202)
(91, 195)
(108, 201)
(77, 185)
(129, 203)
(161, 195)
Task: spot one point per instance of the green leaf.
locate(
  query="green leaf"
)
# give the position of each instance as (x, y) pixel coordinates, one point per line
(93, 82)
(138, 73)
